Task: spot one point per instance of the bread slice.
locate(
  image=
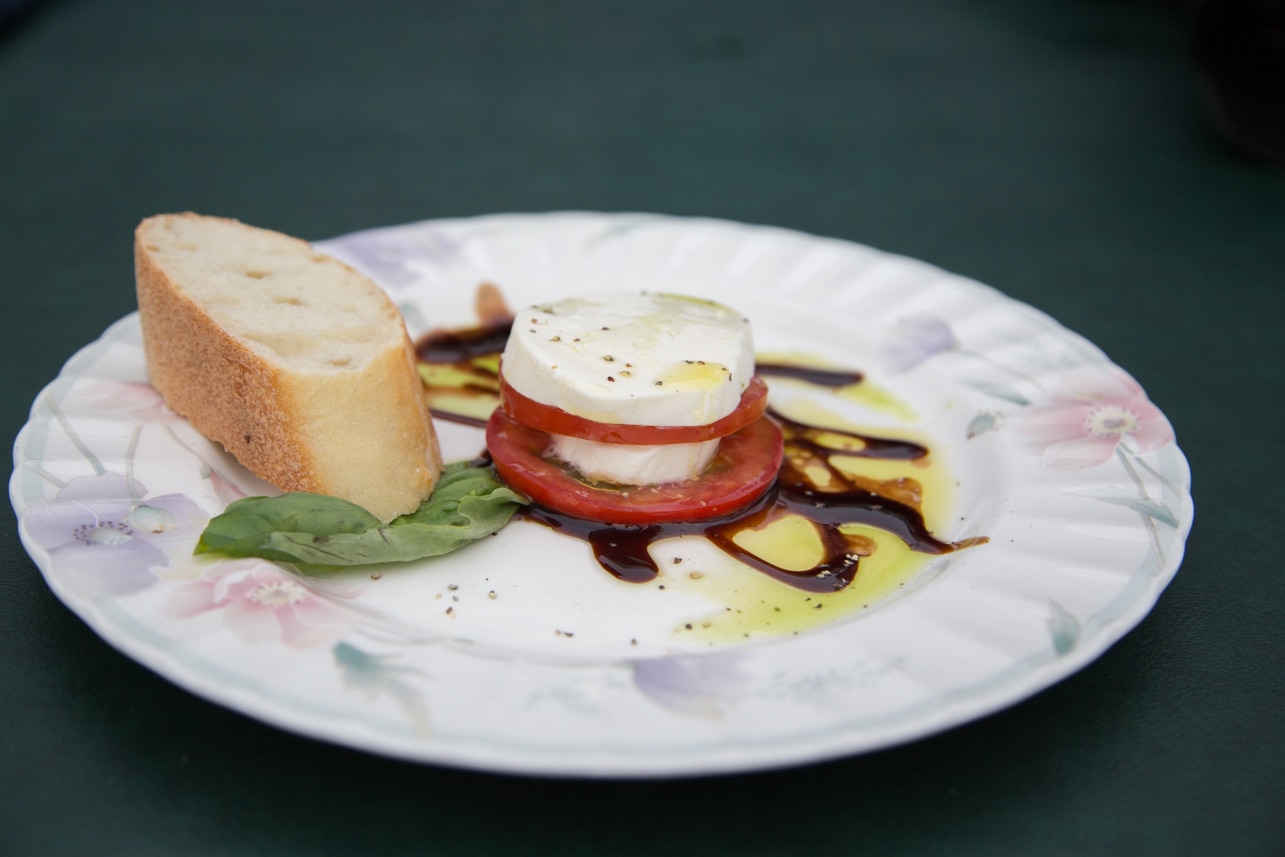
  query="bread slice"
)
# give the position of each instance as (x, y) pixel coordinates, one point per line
(298, 365)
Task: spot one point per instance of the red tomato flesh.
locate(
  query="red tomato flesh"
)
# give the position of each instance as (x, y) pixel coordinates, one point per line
(553, 420)
(744, 467)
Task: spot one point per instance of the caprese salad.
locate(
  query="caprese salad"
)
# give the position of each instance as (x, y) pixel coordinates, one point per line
(633, 408)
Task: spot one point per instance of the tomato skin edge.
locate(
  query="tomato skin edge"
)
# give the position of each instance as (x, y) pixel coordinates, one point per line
(744, 468)
(555, 420)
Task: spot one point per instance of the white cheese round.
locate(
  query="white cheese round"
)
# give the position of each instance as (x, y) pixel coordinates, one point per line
(634, 464)
(641, 358)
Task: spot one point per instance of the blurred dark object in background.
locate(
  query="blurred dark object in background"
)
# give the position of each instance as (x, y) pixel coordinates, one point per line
(9, 8)
(1238, 47)
(11, 11)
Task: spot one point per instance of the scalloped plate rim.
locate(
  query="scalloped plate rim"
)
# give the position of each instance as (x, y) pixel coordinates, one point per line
(734, 756)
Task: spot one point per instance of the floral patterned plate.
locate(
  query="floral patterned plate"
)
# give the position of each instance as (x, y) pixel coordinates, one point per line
(519, 653)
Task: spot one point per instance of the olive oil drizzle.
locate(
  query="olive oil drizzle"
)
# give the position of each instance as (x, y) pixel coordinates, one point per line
(469, 353)
(624, 550)
(809, 484)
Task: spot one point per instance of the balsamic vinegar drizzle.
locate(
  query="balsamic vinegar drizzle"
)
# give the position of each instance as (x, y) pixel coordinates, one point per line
(461, 346)
(623, 550)
(810, 484)
(812, 374)
(463, 350)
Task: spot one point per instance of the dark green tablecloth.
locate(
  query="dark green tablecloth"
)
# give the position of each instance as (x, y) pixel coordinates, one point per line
(1058, 151)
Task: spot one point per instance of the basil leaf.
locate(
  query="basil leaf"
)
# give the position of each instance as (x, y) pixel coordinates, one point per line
(468, 503)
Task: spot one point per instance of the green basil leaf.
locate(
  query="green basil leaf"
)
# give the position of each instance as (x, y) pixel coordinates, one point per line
(468, 503)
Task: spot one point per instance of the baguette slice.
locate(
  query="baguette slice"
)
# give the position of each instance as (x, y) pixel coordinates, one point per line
(298, 365)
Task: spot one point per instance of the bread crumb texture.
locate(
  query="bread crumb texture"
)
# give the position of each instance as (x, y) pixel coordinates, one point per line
(298, 365)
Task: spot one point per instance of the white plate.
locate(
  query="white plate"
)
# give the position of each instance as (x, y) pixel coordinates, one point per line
(519, 653)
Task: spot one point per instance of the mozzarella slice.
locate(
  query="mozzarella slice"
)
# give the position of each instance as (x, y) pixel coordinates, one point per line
(641, 358)
(634, 464)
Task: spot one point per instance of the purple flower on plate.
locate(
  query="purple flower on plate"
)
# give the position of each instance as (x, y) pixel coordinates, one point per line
(389, 261)
(913, 339)
(699, 684)
(104, 539)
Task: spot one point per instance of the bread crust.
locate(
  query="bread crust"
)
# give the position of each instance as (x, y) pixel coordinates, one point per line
(362, 433)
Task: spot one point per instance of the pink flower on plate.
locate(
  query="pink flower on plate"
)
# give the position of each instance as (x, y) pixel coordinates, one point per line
(137, 398)
(262, 603)
(1089, 416)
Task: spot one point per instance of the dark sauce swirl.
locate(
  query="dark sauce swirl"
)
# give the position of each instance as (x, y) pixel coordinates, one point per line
(810, 485)
(462, 351)
(457, 347)
(827, 503)
(811, 374)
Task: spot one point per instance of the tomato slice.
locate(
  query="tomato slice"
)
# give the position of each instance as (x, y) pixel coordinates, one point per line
(554, 420)
(744, 467)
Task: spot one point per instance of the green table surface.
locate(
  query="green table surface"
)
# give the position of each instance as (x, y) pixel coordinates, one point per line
(1059, 151)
